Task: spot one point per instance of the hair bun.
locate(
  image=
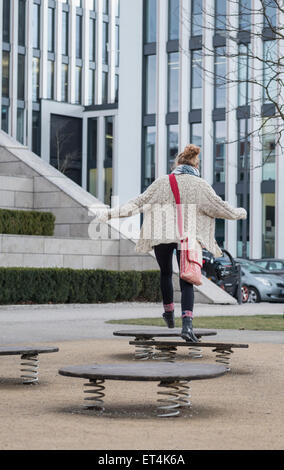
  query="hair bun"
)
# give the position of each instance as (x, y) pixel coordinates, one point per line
(191, 151)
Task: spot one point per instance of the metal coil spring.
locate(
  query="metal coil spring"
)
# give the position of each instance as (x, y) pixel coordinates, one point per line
(165, 353)
(30, 363)
(98, 394)
(223, 357)
(170, 403)
(195, 352)
(184, 394)
(143, 352)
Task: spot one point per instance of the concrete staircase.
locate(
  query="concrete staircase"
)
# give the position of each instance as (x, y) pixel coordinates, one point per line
(27, 182)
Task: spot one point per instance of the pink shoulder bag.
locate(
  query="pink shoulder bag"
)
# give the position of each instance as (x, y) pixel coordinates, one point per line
(190, 267)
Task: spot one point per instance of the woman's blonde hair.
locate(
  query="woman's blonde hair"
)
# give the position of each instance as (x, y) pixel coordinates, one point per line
(188, 157)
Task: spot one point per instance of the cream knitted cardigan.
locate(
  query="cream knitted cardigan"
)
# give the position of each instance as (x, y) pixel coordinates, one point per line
(202, 205)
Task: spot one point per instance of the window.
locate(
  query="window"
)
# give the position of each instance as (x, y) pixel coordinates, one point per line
(196, 18)
(117, 8)
(148, 169)
(105, 43)
(270, 8)
(196, 80)
(220, 151)
(196, 139)
(117, 45)
(244, 15)
(36, 26)
(173, 26)
(36, 133)
(220, 78)
(220, 15)
(50, 81)
(243, 227)
(22, 23)
(78, 36)
(92, 177)
(244, 75)
(5, 119)
(108, 162)
(78, 85)
(6, 21)
(5, 74)
(268, 225)
(78, 3)
(91, 86)
(268, 150)
(173, 82)
(270, 71)
(20, 125)
(35, 78)
(244, 149)
(116, 87)
(21, 77)
(172, 145)
(105, 87)
(66, 146)
(65, 30)
(105, 7)
(64, 83)
(151, 19)
(150, 105)
(92, 41)
(51, 29)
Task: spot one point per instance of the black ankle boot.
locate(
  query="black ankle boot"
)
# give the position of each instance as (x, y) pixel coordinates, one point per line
(169, 319)
(187, 330)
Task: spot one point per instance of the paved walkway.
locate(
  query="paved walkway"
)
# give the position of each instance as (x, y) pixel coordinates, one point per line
(47, 323)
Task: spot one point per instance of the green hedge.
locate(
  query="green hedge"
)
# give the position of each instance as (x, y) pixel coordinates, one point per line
(62, 285)
(26, 222)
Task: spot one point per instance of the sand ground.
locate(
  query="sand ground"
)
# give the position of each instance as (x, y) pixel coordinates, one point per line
(242, 410)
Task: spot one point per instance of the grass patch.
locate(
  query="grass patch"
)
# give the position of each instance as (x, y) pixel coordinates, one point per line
(254, 322)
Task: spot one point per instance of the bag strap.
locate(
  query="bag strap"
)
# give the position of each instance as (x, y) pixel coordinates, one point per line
(176, 193)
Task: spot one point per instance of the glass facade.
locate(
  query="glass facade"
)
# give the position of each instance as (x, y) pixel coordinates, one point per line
(108, 162)
(196, 18)
(105, 7)
(148, 170)
(173, 82)
(78, 36)
(91, 86)
(22, 23)
(243, 75)
(173, 22)
(105, 87)
(36, 133)
(150, 21)
(220, 15)
(243, 228)
(243, 149)
(65, 32)
(268, 225)
(105, 43)
(219, 151)
(173, 133)
(196, 80)
(50, 80)
(270, 71)
(78, 88)
(117, 45)
(21, 77)
(92, 41)
(244, 15)
(36, 26)
(269, 150)
(270, 8)
(20, 125)
(51, 29)
(220, 78)
(5, 73)
(36, 65)
(64, 83)
(6, 21)
(5, 118)
(196, 139)
(150, 104)
(92, 179)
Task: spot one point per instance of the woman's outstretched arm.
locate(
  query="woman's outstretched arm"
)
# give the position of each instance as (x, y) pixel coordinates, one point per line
(214, 206)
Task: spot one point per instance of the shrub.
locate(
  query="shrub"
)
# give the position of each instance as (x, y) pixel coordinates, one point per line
(16, 222)
(64, 285)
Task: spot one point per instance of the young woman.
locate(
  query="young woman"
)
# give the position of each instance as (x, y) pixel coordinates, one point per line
(159, 232)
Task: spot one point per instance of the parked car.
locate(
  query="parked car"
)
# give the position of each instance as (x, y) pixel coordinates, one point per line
(258, 284)
(275, 266)
(223, 271)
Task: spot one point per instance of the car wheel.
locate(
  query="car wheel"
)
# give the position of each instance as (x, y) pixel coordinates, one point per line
(245, 294)
(254, 296)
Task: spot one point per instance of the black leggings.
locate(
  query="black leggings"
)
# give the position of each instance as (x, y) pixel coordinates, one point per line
(164, 255)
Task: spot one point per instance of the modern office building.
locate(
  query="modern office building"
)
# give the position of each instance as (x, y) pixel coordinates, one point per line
(184, 97)
(110, 91)
(60, 75)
